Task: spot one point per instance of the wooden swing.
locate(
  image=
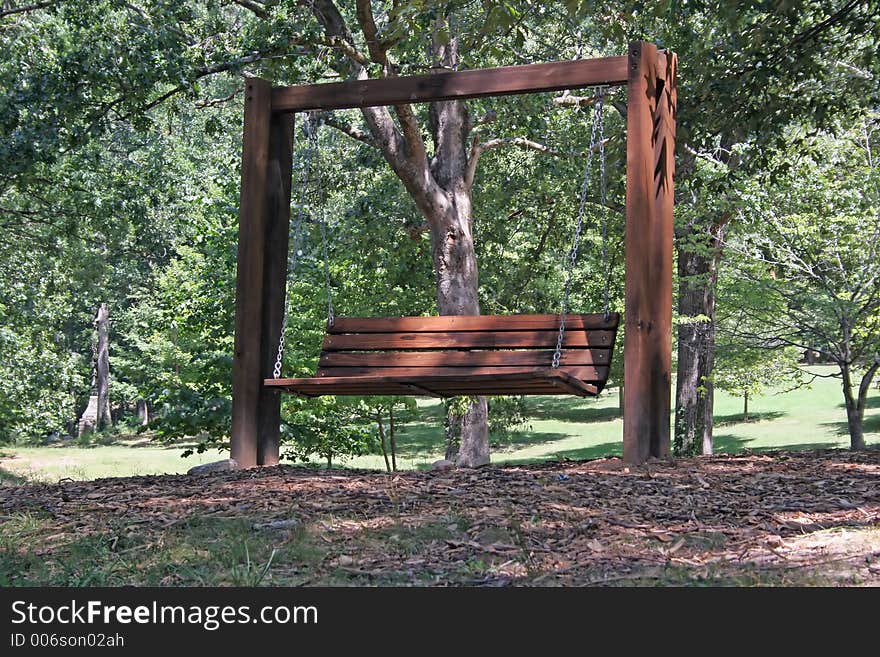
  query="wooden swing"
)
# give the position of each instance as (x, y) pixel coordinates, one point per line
(461, 355)
(446, 356)
(493, 355)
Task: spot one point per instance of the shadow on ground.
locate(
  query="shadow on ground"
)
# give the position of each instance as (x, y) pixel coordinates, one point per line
(563, 410)
(737, 418)
(729, 444)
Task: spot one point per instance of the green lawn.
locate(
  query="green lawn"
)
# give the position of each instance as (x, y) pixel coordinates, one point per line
(561, 427)
(122, 459)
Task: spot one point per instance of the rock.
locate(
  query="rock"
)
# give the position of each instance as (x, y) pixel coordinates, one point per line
(442, 464)
(277, 524)
(217, 466)
(52, 438)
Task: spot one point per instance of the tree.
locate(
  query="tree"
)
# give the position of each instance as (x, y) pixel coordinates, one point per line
(384, 413)
(747, 84)
(97, 414)
(812, 251)
(746, 372)
(284, 39)
(746, 73)
(329, 428)
(98, 90)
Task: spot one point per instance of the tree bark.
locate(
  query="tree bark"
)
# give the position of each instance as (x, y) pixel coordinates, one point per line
(694, 391)
(855, 404)
(745, 405)
(102, 324)
(143, 412)
(455, 266)
(392, 438)
(853, 412)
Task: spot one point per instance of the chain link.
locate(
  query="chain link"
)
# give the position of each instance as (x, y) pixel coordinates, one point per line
(585, 185)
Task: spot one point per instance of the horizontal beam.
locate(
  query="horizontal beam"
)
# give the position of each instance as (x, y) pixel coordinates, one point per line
(492, 323)
(452, 85)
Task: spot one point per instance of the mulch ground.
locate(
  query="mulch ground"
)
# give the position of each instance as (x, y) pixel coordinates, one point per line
(775, 518)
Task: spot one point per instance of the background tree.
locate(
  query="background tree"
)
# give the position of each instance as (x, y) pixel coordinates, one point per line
(386, 414)
(747, 372)
(746, 72)
(812, 252)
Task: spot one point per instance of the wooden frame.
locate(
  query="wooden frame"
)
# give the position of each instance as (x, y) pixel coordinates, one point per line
(264, 215)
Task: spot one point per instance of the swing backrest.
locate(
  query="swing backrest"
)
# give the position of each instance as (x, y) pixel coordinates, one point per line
(467, 345)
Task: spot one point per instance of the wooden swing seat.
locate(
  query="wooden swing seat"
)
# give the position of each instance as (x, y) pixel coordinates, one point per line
(461, 355)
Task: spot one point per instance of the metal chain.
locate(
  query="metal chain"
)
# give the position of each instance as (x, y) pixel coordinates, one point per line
(296, 252)
(585, 185)
(331, 315)
(606, 265)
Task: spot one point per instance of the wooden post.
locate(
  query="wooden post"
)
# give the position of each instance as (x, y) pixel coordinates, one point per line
(275, 279)
(247, 366)
(649, 200)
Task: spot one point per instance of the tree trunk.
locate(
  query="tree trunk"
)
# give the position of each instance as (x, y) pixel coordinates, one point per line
(854, 414)
(745, 405)
(143, 412)
(452, 431)
(97, 412)
(102, 324)
(855, 404)
(620, 400)
(382, 441)
(854, 418)
(455, 267)
(694, 393)
(810, 356)
(393, 438)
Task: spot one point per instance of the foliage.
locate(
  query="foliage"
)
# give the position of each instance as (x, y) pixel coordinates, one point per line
(808, 273)
(120, 133)
(507, 415)
(327, 427)
(748, 372)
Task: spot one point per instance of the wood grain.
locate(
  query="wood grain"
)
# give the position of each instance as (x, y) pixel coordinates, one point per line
(449, 323)
(452, 85)
(246, 363)
(466, 340)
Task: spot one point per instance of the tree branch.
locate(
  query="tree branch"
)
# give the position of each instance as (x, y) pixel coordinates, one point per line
(477, 150)
(199, 74)
(399, 151)
(567, 99)
(21, 10)
(350, 51)
(253, 6)
(865, 383)
(352, 131)
(414, 144)
(378, 52)
(212, 102)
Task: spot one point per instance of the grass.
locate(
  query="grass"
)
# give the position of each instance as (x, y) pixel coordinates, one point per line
(561, 427)
(124, 458)
(565, 427)
(198, 552)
